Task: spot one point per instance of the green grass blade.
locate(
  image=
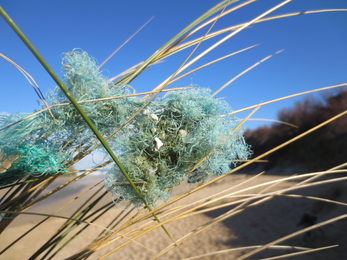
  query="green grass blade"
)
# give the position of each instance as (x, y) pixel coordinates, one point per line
(74, 102)
(128, 78)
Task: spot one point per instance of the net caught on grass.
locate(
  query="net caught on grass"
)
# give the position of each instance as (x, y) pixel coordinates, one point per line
(158, 148)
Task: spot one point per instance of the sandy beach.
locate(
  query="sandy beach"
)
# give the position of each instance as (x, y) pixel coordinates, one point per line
(256, 225)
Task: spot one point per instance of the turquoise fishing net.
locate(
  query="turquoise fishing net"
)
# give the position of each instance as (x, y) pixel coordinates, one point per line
(189, 126)
(158, 148)
(40, 145)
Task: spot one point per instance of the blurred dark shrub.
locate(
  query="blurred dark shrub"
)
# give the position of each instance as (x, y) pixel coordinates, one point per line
(320, 150)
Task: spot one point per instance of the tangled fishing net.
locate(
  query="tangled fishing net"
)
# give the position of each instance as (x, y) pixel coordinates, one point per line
(178, 137)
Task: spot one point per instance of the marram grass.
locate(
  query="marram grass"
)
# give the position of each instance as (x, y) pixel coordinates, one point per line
(155, 143)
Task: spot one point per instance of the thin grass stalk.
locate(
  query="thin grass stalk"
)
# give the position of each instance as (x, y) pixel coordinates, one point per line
(246, 201)
(270, 194)
(231, 212)
(286, 97)
(59, 239)
(244, 72)
(54, 216)
(259, 196)
(19, 182)
(303, 250)
(300, 253)
(210, 198)
(207, 199)
(312, 198)
(17, 203)
(38, 191)
(270, 120)
(238, 209)
(131, 221)
(300, 183)
(112, 225)
(105, 240)
(81, 210)
(131, 69)
(202, 39)
(112, 229)
(317, 176)
(270, 187)
(213, 20)
(279, 247)
(64, 185)
(104, 209)
(65, 228)
(190, 54)
(194, 209)
(210, 63)
(7, 201)
(250, 197)
(233, 28)
(11, 187)
(127, 79)
(113, 53)
(222, 41)
(42, 221)
(73, 101)
(32, 82)
(293, 235)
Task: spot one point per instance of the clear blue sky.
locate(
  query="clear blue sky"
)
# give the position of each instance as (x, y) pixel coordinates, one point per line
(315, 46)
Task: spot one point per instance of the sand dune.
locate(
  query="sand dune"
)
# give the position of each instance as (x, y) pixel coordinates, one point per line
(256, 225)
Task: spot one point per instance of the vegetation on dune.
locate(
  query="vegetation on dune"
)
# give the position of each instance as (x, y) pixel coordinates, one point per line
(320, 150)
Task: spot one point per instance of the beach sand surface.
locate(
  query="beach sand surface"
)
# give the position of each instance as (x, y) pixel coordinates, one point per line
(255, 225)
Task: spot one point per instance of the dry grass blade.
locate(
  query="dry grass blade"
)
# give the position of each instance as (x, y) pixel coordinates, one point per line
(154, 57)
(54, 216)
(208, 64)
(313, 198)
(164, 83)
(133, 68)
(244, 72)
(246, 248)
(232, 28)
(300, 253)
(42, 221)
(270, 120)
(167, 81)
(175, 49)
(113, 53)
(286, 97)
(237, 209)
(64, 185)
(292, 235)
(23, 194)
(263, 197)
(207, 200)
(32, 82)
(215, 18)
(317, 176)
